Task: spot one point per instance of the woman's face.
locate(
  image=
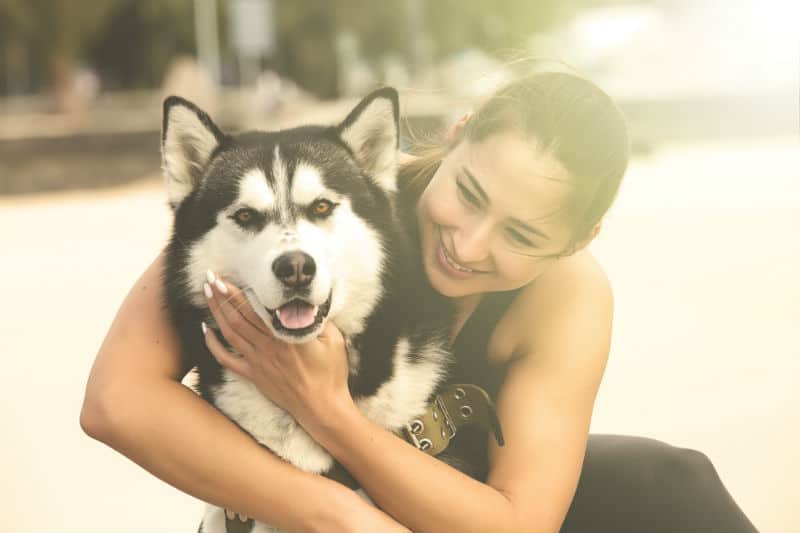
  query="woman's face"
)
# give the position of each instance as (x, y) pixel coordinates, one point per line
(487, 216)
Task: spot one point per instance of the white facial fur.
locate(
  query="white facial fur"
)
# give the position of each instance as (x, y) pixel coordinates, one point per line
(348, 253)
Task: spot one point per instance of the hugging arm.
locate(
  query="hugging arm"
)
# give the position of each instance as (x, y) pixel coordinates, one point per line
(136, 404)
(544, 406)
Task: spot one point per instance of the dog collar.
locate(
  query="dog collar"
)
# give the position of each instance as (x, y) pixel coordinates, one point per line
(456, 406)
(431, 432)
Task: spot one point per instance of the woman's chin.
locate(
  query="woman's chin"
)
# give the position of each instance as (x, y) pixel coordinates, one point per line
(444, 285)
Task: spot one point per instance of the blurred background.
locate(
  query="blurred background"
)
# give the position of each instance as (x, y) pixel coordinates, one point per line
(701, 245)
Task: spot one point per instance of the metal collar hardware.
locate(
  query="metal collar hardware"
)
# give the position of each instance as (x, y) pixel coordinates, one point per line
(454, 407)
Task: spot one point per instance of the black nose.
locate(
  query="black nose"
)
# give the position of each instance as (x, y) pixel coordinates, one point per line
(294, 269)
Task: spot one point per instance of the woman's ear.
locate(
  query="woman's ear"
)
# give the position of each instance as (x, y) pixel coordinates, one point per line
(455, 130)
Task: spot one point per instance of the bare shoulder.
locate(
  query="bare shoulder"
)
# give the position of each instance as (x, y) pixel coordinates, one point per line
(574, 294)
(560, 329)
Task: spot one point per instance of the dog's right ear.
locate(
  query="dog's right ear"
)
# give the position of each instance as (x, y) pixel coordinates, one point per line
(188, 140)
(372, 132)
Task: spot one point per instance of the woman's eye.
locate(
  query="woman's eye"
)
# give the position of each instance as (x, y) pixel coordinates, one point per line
(468, 196)
(518, 237)
(322, 208)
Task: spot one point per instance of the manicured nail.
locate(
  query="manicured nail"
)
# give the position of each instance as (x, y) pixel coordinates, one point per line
(221, 287)
(229, 514)
(210, 276)
(204, 327)
(207, 290)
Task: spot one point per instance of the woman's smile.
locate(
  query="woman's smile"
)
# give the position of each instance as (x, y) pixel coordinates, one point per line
(450, 266)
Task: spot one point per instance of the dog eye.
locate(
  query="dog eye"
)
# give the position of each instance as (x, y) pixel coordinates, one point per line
(244, 216)
(322, 208)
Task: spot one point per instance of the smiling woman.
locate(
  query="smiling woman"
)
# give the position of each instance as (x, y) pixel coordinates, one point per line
(503, 213)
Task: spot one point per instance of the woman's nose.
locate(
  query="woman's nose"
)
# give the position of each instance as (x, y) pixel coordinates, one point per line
(471, 242)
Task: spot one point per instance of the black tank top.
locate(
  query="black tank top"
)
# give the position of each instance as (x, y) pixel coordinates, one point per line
(472, 365)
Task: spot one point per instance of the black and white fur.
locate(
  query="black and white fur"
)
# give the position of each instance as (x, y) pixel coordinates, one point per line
(367, 275)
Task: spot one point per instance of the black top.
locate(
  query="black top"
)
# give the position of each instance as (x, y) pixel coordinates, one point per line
(472, 365)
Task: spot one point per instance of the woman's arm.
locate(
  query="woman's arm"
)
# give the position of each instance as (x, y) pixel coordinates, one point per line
(545, 408)
(136, 404)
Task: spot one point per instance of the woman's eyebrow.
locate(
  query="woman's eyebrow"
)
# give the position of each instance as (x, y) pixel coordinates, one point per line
(485, 197)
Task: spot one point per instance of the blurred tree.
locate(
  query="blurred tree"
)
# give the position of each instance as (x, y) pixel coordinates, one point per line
(308, 29)
(452, 25)
(139, 39)
(306, 52)
(498, 27)
(56, 30)
(131, 41)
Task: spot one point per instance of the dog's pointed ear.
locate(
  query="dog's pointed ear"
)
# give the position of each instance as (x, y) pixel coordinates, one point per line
(372, 132)
(188, 140)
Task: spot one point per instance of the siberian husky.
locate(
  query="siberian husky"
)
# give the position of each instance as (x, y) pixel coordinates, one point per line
(310, 223)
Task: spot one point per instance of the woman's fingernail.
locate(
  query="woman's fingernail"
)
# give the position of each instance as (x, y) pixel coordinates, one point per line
(204, 327)
(221, 287)
(210, 276)
(207, 290)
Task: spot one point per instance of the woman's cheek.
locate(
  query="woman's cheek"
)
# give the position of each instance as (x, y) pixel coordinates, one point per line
(518, 271)
(443, 209)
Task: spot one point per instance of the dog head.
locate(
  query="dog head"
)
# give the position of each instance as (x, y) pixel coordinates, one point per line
(299, 219)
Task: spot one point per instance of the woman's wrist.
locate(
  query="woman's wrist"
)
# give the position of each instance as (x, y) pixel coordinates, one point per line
(329, 416)
(327, 507)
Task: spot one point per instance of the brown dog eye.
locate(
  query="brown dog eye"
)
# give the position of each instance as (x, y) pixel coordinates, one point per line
(322, 208)
(244, 216)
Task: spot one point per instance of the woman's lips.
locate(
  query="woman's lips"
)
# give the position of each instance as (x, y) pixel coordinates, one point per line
(444, 262)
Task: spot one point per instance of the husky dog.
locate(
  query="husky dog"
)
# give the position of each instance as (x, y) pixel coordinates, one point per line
(310, 223)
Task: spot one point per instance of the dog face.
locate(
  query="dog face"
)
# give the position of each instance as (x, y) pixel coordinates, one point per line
(298, 219)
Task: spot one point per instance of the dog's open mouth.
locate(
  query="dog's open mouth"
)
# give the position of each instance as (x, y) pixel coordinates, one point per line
(298, 317)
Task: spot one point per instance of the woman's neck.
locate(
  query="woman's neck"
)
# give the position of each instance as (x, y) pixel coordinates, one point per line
(464, 307)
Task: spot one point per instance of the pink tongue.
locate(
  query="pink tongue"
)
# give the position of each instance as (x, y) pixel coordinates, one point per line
(296, 315)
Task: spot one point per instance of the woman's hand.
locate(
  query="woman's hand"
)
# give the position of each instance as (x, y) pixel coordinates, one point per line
(305, 379)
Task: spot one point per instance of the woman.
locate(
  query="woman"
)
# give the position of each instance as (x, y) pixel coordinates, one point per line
(505, 211)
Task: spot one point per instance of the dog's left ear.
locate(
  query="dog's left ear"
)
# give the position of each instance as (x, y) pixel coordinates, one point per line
(372, 131)
(188, 140)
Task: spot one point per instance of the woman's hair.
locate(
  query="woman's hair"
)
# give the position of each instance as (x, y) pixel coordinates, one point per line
(565, 115)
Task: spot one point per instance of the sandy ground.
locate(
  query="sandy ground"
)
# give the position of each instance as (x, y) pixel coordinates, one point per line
(702, 249)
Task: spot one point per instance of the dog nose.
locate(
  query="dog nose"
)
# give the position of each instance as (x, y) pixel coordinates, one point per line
(294, 269)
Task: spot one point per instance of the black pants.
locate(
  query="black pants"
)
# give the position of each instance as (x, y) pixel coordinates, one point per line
(638, 485)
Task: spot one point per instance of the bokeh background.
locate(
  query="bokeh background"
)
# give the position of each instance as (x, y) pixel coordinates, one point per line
(702, 245)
